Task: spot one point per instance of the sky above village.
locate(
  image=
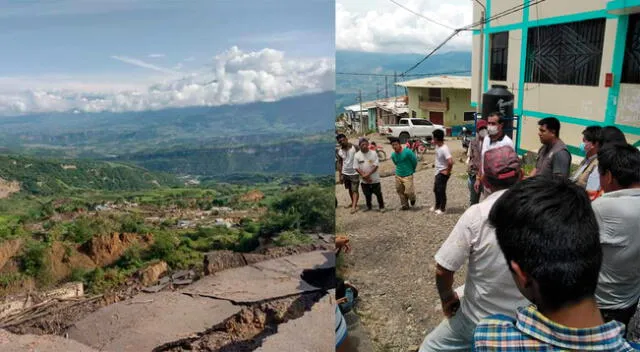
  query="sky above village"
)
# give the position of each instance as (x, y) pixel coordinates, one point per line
(135, 55)
(382, 26)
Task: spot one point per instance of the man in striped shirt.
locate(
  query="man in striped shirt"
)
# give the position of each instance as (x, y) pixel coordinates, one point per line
(549, 236)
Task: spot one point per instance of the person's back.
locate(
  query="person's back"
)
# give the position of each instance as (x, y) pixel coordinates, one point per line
(548, 234)
(489, 288)
(617, 212)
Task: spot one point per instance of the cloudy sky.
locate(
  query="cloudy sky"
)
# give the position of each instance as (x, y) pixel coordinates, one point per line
(122, 55)
(382, 26)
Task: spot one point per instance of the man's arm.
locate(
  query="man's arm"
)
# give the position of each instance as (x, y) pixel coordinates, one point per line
(448, 297)
(561, 164)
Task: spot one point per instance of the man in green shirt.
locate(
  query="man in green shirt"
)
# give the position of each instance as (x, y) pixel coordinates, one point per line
(406, 163)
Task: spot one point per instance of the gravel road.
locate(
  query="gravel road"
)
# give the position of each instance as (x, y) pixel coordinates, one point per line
(392, 258)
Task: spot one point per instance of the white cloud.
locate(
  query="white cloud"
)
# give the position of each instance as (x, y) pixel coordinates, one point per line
(380, 26)
(233, 77)
(140, 63)
(189, 59)
(156, 56)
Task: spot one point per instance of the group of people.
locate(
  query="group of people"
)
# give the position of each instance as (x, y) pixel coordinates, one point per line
(552, 257)
(358, 165)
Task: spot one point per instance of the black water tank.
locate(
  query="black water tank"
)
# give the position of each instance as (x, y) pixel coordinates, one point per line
(498, 98)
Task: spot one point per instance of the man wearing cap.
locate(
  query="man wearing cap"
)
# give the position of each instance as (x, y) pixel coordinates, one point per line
(495, 138)
(474, 155)
(489, 287)
(366, 164)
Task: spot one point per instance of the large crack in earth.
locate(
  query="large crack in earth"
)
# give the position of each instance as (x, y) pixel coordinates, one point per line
(248, 329)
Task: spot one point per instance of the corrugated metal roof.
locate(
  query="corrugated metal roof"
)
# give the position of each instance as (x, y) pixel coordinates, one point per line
(453, 82)
(371, 104)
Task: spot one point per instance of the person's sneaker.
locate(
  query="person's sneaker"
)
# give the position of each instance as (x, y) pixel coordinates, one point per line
(406, 207)
(432, 209)
(439, 212)
(413, 203)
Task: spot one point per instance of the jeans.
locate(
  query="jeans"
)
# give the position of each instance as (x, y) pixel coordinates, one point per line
(370, 189)
(454, 334)
(440, 190)
(474, 197)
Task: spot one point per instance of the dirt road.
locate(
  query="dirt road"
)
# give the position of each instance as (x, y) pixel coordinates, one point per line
(392, 259)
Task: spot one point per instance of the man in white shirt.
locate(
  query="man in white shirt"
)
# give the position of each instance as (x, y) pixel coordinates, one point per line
(489, 287)
(617, 212)
(367, 163)
(495, 139)
(443, 164)
(348, 174)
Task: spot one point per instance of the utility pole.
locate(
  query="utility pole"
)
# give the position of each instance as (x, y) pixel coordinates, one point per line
(361, 113)
(481, 54)
(395, 88)
(386, 88)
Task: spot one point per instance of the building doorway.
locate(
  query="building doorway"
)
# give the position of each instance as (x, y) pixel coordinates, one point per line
(436, 117)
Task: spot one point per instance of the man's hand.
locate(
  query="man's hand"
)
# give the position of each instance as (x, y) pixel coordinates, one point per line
(341, 179)
(446, 172)
(476, 186)
(451, 305)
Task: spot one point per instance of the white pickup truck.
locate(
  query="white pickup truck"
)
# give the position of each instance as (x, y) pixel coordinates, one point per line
(410, 128)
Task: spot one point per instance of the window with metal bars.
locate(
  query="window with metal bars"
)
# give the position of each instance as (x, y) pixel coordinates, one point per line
(499, 56)
(568, 53)
(631, 65)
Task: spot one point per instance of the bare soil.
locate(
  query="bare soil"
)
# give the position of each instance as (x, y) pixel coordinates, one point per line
(392, 261)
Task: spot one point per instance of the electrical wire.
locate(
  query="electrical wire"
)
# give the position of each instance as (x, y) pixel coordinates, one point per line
(411, 75)
(484, 21)
(422, 16)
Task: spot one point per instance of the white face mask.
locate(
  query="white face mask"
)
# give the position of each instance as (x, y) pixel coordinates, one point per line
(483, 133)
(493, 130)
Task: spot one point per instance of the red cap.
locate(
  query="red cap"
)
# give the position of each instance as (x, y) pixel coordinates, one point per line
(481, 124)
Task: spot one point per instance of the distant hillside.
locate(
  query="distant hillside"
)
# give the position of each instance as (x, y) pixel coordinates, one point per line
(361, 62)
(94, 135)
(46, 177)
(289, 156)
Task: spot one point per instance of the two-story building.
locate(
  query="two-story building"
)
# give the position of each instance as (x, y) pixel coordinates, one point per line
(578, 61)
(444, 100)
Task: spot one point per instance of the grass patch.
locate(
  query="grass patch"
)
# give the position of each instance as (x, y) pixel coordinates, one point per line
(292, 238)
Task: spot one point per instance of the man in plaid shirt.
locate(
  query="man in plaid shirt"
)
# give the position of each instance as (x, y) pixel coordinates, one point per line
(550, 239)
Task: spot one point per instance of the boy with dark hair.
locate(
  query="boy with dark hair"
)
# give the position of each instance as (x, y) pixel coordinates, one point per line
(617, 215)
(554, 158)
(406, 162)
(548, 234)
(443, 165)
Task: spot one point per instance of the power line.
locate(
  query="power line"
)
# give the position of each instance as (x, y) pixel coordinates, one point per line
(422, 16)
(455, 32)
(391, 75)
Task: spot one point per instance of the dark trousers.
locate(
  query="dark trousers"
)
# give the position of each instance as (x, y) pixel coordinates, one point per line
(440, 190)
(622, 315)
(370, 189)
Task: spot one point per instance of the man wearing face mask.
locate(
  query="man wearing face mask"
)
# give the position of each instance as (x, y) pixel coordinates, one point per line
(587, 175)
(474, 154)
(495, 139)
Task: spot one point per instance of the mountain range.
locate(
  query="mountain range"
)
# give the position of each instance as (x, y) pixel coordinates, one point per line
(372, 87)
